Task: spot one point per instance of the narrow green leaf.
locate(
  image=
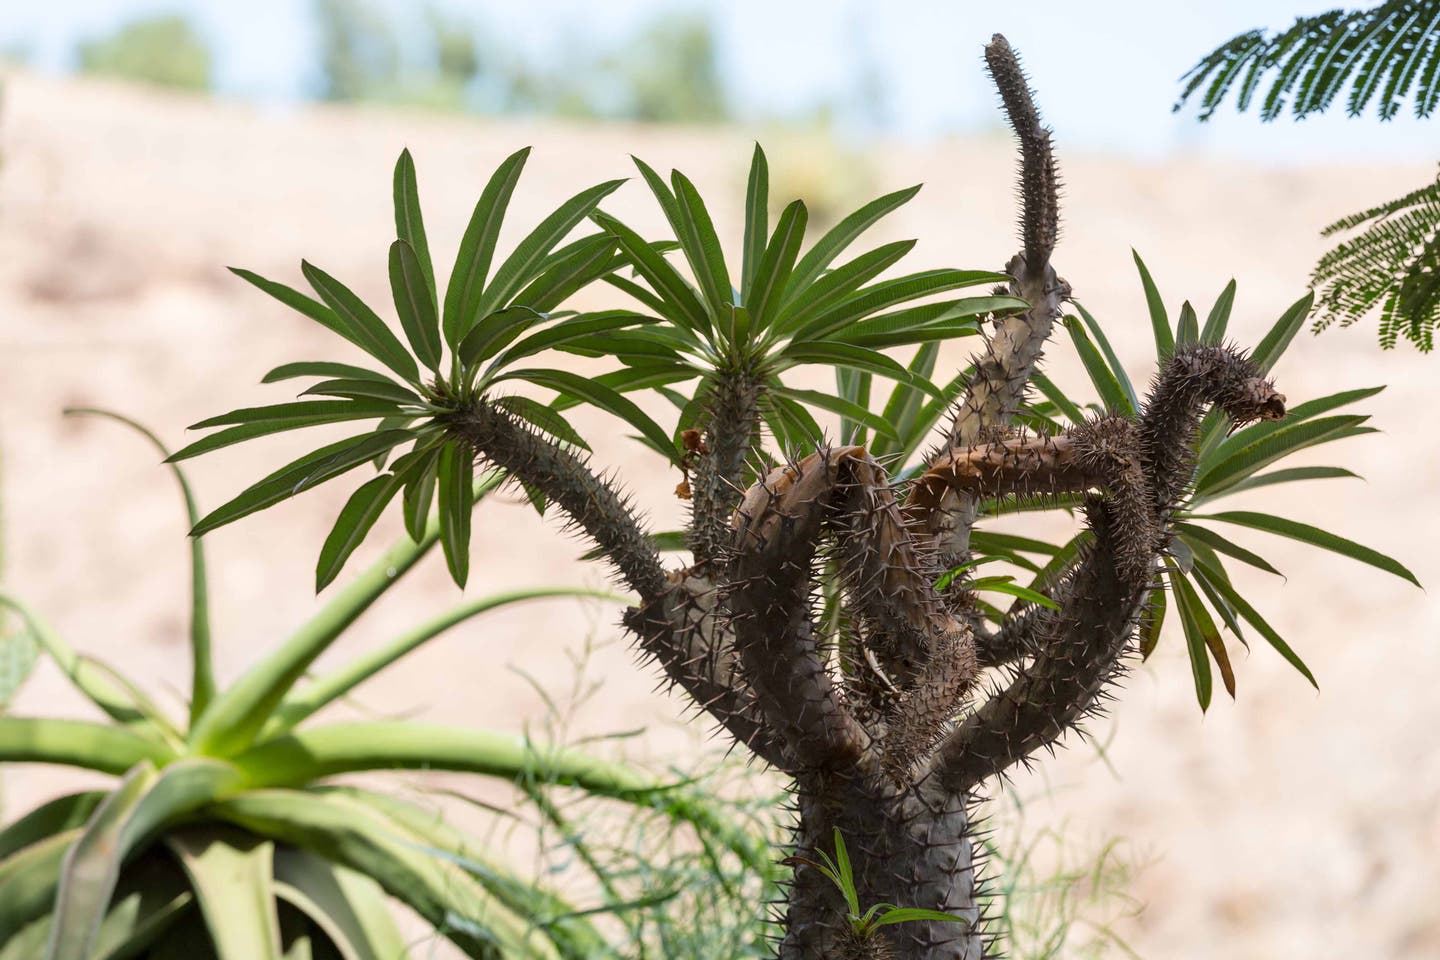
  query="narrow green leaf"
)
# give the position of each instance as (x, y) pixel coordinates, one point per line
(855, 358)
(1056, 396)
(1278, 338)
(1245, 610)
(1152, 622)
(906, 401)
(1215, 541)
(757, 220)
(1293, 474)
(1194, 638)
(1219, 319)
(1238, 464)
(1187, 328)
(369, 332)
(682, 303)
(840, 236)
(836, 285)
(477, 248)
(321, 368)
(523, 264)
(1312, 535)
(1112, 394)
(1116, 367)
(701, 245)
(888, 293)
(353, 525)
(843, 407)
(419, 494)
(302, 410)
(363, 390)
(591, 259)
(496, 331)
(311, 470)
(1159, 321)
(583, 325)
(409, 224)
(593, 392)
(415, 304)
(543, 417)
(296, 300)
(767, 293)
(455, 474)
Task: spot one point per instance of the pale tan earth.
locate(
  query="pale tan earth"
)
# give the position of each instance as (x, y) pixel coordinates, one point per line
(1285, 824)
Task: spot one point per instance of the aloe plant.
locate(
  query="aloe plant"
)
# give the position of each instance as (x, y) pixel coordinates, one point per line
(893, 701)
(222, 838)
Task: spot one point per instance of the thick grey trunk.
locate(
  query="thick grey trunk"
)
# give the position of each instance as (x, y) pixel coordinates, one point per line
(908, 847)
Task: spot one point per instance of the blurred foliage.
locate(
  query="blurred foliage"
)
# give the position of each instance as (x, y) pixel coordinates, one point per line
(666, 72)
(814, 164)
(165, 51)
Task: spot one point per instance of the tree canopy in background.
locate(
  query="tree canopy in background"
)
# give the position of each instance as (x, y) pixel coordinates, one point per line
(165, 51)
(1382, 56)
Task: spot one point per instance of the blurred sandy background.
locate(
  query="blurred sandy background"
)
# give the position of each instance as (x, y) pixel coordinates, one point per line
(1285, 824)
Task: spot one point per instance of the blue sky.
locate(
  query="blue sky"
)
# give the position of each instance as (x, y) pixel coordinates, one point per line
(1106, 70)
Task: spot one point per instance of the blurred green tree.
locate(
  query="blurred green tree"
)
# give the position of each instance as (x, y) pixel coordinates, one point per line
(166, 51)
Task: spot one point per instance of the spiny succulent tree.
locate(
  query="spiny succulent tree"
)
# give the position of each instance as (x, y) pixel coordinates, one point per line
(830, 618)
(1384, 54)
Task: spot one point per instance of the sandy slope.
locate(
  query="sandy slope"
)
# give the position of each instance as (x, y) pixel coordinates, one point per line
(1283, 825)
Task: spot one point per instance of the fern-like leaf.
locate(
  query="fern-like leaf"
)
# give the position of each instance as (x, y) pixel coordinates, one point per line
(1392, 264)
(1383, 54)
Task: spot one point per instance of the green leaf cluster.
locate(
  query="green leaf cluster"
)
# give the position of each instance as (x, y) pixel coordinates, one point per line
(782, 307)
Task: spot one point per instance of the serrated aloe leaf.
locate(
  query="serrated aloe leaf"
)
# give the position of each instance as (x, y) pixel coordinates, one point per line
(477, 248)
(368, 331)
(415, 303)
(348, 906)
(92, 867)
(231, 874)
(455, 478)
(63, 814)
(409, 224)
